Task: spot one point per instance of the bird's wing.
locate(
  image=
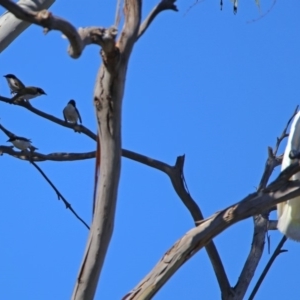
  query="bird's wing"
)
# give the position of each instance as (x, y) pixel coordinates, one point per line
(78, 115)
(20, 84)
(64, 113)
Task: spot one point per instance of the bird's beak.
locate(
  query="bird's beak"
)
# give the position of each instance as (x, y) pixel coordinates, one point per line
(7, 140)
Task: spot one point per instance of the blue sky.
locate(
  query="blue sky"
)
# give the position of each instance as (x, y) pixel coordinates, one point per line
(206, 84)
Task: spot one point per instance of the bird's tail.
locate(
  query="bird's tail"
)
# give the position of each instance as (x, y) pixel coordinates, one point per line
(289, 223)
(32, 148)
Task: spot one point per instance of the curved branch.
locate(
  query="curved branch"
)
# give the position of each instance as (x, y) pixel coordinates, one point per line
(163, 5)
(78, 39)
(209, 228)
(39, 157)
(176, 176)
(59, 195)
(11, 27)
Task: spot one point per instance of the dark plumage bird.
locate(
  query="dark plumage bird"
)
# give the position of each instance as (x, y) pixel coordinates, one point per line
(27, 93)
(14, 83)
(21, 143)
(71, 113)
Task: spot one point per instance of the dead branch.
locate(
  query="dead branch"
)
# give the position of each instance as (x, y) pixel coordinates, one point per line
(176, 176)
(108, 95)
(276, 253)
(39, 157)
(11, 27)
(200, 236)
(78, 39)
(59, 195)
(75, 127)
(163, 5)
(261, 222)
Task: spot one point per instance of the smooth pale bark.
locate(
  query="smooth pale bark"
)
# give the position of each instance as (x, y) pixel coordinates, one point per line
(198, 237)
(11, 27)
(108, 97)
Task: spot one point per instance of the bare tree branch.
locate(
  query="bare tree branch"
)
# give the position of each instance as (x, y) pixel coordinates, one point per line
(176, 176)
(39, 157)
(108, 95)
(78, 39)
(278, 191)
(276, 253)
(75, 127)
(272, 225)
(163, 5)
(11, 27)
(261, 222)
(59, 195)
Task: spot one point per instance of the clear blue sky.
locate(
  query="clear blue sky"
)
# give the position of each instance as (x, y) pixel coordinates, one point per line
(208, 85)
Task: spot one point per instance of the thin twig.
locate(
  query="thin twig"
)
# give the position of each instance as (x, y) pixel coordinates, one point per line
(59, 195)
(277, 251)
(163, 5)
(264, 14)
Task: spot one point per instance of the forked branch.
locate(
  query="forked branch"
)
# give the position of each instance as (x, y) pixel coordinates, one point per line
(78, 39)
(176, 176)
(278, 191)
(261, 222)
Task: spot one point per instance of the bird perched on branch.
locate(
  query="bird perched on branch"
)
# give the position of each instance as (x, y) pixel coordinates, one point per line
(289, 212)
(21, 143)
(27, 93)
(71, 113)
(14, 83)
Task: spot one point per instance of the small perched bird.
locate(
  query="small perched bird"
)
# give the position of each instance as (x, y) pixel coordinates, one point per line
(21, 143)
(288, 212)
(28, 92)
(14, 83)
(71, 113)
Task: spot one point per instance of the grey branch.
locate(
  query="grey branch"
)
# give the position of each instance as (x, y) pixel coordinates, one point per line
(11, 27)
(176, 176)
(261, 222)
(39, 157)
(277, 251)
(59, 195)
(163, 5)
(78, 39)
(108, 95)
(278, 191)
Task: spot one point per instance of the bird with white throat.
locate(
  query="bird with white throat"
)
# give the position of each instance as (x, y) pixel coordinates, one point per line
(27, 93)
(288, 212)
(71, 113)
(21, 143)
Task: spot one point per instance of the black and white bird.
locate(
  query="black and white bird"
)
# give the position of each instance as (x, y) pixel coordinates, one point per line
(21, 143)
(71, 113)
(14, 83)
(27, 93)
